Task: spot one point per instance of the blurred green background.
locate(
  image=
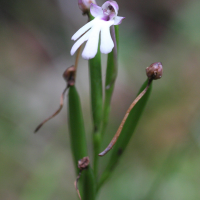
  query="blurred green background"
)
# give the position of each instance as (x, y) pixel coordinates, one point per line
(163, 158)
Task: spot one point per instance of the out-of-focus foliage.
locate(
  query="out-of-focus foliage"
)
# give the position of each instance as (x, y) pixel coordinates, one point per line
(162, 160)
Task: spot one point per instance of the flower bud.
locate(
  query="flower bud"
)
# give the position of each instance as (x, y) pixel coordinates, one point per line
(84, 5)
(69, 75)
(83, 163)
(154, 71)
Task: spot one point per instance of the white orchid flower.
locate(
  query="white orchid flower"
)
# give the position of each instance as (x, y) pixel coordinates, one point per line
(105, 17)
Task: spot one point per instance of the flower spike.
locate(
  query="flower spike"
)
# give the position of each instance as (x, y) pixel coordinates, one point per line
(105, 17)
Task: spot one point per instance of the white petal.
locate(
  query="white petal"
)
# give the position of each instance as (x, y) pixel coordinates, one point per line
(83, 29)
(91, 46)
(106, 40)
(95, 10)
(118, 20)
(79, 42)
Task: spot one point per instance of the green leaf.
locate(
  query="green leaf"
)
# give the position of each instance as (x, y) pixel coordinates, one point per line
(126, 134)
(76, 127)
(78, 144)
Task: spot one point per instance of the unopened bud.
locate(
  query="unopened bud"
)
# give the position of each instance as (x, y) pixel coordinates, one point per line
(69, 75)
(83, 163)
(154, 71)
(84, 5)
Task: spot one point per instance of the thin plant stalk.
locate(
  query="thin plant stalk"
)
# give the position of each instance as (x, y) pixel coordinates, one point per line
(96, 101)
(111, 75)
(77, 57)
(130, 121)
(57, 111)
(125, 136)
(113, 141)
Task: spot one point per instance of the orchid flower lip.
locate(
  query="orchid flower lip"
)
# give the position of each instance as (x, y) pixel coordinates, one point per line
(105, 17)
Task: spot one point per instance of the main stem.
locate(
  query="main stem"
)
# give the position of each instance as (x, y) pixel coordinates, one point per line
(111, 75)
(97, 104)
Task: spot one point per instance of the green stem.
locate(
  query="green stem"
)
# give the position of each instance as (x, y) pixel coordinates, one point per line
(97, 103)
(111, 75)
(89, 184)
(96, 100)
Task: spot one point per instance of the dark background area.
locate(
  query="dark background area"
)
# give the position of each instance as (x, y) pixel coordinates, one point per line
(163, 158)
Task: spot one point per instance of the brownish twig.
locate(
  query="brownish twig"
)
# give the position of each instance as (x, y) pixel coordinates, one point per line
(69, 76)
(57, 111)
(113, 141)
(153, 72)
(82, 165)
(76, 184)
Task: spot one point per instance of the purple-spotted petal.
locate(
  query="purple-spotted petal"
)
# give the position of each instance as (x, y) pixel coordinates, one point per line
(83, 29)
(113, 4)
(95, 10)
(91, 46)
(105, 5)
(106, 40)
(118, 20)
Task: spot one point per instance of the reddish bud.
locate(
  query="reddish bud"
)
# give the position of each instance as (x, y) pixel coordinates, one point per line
(84, 5)
(83, 163)
(69, 75)
(154, 71)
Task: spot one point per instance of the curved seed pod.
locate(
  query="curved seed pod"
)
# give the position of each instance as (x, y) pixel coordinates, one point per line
(114, 140)
(126, 133)
(154, 71)
(69, 76)
(57, 111)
